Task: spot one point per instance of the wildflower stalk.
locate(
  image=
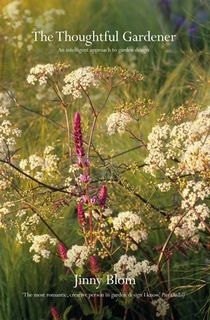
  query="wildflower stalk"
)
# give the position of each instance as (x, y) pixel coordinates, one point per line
(68, 134)
(169, 238)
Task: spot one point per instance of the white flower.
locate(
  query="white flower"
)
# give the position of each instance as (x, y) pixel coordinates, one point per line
(4, 211)
(8, 136)
(11, 11)
(40, 245)
(194, 191)
(5, 103)
(79, 80)
(161, 306)
(36, 258)
(156, 140)
(107, 212)
(190, 224)
(128, 267)
(46, 21)
(117, 122)
(164, 187)
(40, 167)
(127, 220)
(40, 73)
(131, 224)
(76, 256)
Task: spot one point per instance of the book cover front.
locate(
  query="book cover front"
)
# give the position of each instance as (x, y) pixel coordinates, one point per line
(104, 159)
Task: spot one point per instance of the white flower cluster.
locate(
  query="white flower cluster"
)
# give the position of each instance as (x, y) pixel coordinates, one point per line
(40, 73)
(69, 181)
(8, 136)
(46, 21)
(4, 212)
(117, 122)
(193, 192)
(188, 142)
(16, 17)
(189, 226)
(5, 182)
(76, 256)
(27, 226)
(156, 158)
(128, 267)
(183, 150)
(40, 245)
(164, 187)
(196, 214)
(79, 80)
(41, 166)
(5, 103)
(162, 307)
(130, 224)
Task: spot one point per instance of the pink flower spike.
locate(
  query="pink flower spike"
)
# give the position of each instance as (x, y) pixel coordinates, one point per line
(78, 142)
(62, 251)
(94, 265)
(81, 214)
(55, 314)
(102, 196)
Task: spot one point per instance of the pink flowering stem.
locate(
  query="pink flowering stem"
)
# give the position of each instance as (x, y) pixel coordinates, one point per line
(78, 141)
(81, 214)
(62, 251)
(102, 196)
(55, 314)
(94, 265)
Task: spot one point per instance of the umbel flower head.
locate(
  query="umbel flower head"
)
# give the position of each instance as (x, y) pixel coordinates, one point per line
(81, 214)
(62, 251)
(78, 142)
(94, 265)
(102, 196)
(55, 314)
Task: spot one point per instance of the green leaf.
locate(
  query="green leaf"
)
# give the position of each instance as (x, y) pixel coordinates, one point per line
(66, 312)
(85, 306)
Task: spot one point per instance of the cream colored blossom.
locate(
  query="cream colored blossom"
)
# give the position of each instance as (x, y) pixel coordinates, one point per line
(117, 122)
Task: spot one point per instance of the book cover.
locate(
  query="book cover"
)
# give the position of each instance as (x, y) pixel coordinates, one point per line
(104, 159)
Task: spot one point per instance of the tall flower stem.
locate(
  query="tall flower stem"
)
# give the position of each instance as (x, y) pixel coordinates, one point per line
(68, 133)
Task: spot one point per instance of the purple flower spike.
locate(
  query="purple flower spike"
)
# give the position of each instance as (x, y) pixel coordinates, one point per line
(78, 136)
(62, 251)
(102, 196)
(55, 314)
(84, 178)
(94, 265)
(85, 199)
(94, 200)
(81, 214)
